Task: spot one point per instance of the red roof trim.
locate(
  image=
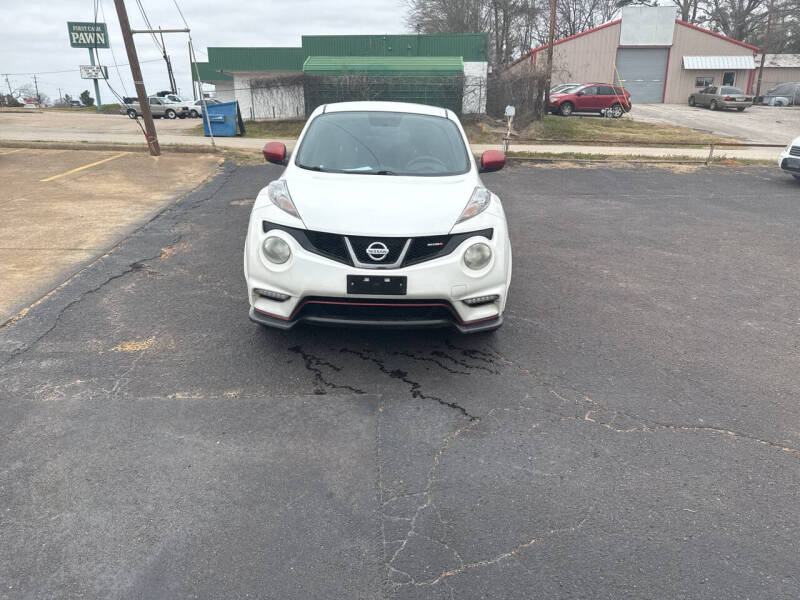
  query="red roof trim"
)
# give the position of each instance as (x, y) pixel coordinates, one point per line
(533, 51)
(718, 35)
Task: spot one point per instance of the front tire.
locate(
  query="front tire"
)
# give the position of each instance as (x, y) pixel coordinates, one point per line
(691, 101)
(170, 114)
(740, 108)
(566, 109)
(194, 114)
(132, 113)
(617, 111)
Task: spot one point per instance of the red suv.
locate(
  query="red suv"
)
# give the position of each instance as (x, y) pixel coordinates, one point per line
(592, 97)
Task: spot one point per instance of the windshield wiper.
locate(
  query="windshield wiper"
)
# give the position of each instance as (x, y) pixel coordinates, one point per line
(385, 172)
(312, 168)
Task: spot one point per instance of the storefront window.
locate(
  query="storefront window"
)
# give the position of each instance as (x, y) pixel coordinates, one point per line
(703, 81)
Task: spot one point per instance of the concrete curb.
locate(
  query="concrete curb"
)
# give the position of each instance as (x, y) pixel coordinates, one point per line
(44, 145)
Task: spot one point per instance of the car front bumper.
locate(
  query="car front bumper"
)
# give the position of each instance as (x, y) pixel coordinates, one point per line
(435, 289)
(790, 164)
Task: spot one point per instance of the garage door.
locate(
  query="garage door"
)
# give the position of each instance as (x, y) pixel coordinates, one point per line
(642, 72)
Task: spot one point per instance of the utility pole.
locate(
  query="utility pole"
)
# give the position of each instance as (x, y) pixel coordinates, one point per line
(138, 82)
(765, 45)
(8, 83)
(550, 36)
(60, 97)
(169, 64)
(36, 85)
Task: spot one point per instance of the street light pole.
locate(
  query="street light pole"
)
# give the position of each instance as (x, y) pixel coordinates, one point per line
(138, 81)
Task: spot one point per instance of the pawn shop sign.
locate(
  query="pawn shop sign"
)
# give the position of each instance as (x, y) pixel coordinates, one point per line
(87, 35)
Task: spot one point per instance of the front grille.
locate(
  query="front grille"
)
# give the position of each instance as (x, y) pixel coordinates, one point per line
(330, 245)
(393, 244)
(344, 309)
(333, 246)
(425, 248)
(794, 150)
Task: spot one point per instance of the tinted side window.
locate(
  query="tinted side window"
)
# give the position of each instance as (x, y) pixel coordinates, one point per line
(605, 90)
(590, 91)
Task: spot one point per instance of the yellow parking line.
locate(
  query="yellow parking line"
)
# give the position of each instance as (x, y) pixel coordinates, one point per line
(94, 164)
(12, 151)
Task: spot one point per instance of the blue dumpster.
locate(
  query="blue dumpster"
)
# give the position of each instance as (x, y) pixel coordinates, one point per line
(224, 118)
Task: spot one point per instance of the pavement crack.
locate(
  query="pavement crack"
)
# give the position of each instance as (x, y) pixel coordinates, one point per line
(656, 426)
(508, 554)
(416, 387)
(427, 493)
(315, 364)
(132, 267)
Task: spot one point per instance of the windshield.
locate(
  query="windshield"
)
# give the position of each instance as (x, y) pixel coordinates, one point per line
(383, 143)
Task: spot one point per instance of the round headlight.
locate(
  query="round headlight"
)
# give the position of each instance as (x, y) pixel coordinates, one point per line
(276, 250)
(477, 256)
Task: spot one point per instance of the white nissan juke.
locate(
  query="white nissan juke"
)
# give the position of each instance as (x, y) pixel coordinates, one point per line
(379, 219)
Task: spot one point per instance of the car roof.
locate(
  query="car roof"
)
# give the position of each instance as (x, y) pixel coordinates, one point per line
(404, 107)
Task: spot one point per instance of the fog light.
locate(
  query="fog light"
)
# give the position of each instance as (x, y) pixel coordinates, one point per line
(477, 256)
(277, 296)
(276, 250)
(478, 300)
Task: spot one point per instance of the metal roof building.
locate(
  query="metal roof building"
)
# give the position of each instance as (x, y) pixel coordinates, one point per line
(242, 73)
(656, 57)
(778, 68)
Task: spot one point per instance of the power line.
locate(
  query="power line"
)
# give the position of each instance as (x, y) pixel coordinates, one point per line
(113, 56)
(149, 60)
(161, 49)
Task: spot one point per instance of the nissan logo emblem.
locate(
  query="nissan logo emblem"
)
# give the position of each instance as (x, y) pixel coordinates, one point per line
(377, 250)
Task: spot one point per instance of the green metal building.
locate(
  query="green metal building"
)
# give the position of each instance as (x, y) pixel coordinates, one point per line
(443, 69)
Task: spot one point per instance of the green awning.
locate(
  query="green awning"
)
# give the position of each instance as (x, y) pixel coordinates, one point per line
(386, 66)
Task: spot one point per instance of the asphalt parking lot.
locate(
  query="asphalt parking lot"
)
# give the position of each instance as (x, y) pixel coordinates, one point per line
(631, 432)
(758, 124)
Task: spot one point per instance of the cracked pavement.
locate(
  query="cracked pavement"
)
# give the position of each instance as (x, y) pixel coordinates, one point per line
(632, 431)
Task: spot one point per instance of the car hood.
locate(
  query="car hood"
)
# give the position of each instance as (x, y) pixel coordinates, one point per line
(385, 205)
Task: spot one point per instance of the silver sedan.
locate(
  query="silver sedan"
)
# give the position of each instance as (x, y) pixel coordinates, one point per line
(721, 97)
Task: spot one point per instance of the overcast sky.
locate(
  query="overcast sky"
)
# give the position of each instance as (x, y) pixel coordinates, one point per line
(36, 35)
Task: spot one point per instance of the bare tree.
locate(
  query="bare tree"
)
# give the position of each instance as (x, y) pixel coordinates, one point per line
(739, 19)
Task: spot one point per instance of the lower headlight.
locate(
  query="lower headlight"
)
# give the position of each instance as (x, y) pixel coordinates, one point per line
(276, 250)
(477, 256)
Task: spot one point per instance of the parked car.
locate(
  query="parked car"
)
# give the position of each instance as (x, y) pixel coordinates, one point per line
(721, 97)
(75, 104)
(379, 219)
(196, 108)
(160, 107)
(785, 94)
(789, 160)
(591, 97)
(563, 87)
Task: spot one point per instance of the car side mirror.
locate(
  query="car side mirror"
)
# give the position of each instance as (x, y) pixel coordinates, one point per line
(492, 160)
(275, 152)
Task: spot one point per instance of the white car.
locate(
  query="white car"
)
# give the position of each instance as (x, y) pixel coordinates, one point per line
(789, 160)
(379, 219)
